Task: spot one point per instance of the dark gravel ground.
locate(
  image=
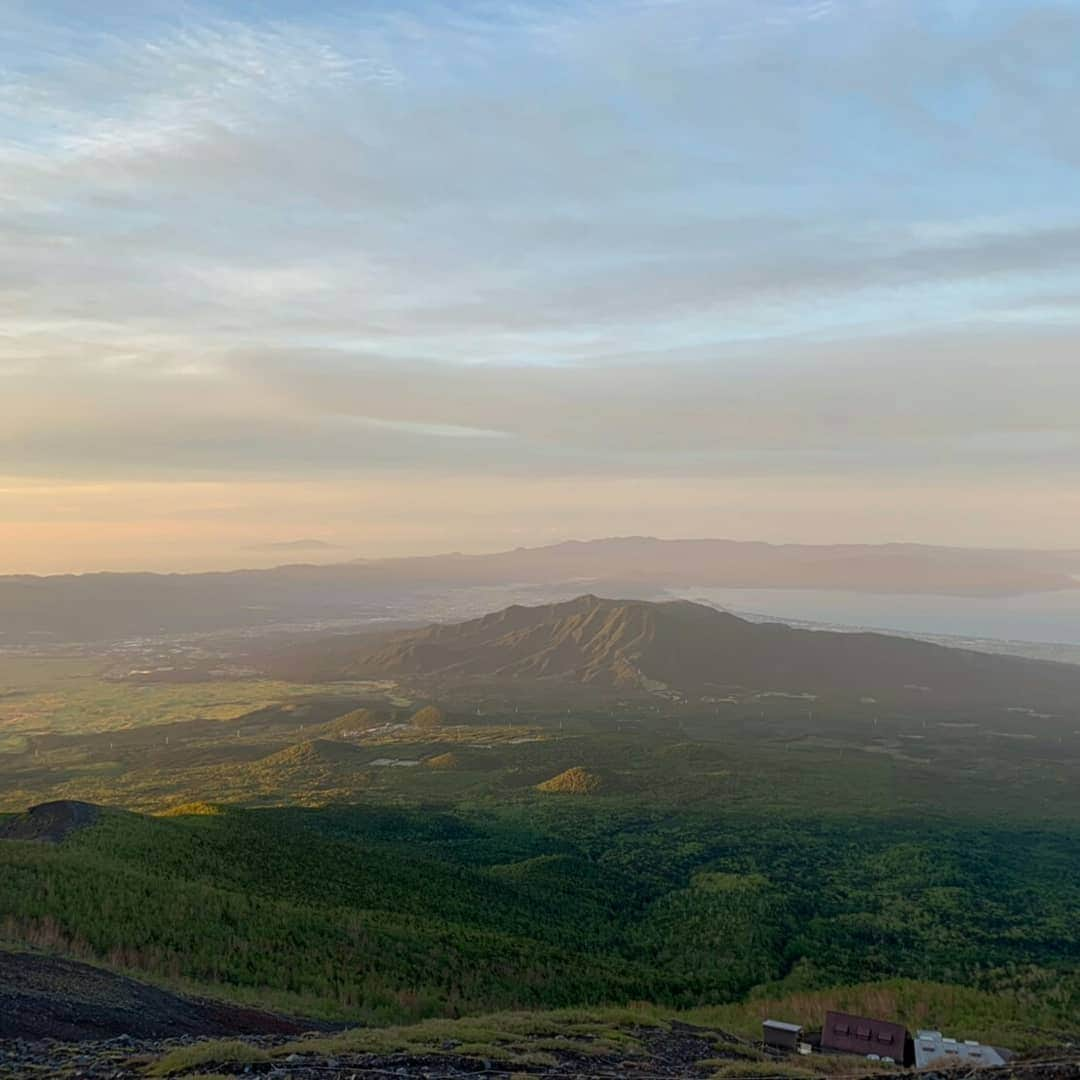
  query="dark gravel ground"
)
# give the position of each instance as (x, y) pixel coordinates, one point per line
(44, 997)
(670, 1055)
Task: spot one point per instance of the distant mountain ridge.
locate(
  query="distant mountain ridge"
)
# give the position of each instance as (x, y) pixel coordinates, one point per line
(685, 646)
(885, 568)
(97, 607)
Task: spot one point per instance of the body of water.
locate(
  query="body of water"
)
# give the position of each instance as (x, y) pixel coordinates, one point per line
(1052, 617)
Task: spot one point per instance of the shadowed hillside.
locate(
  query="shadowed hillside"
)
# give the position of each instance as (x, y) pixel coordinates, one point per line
(50, 822)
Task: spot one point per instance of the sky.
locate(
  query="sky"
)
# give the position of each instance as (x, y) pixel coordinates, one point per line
(415, 277)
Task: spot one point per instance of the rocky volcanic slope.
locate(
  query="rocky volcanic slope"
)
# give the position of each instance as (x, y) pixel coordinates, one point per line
(44, 997)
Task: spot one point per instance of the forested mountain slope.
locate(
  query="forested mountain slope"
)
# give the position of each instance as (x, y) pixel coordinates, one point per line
(369, 913)
(635, 644)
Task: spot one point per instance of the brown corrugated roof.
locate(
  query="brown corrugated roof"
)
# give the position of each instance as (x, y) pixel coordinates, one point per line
(861, 1035)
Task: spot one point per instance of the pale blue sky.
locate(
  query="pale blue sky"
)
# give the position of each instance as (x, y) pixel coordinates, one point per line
(305, 243)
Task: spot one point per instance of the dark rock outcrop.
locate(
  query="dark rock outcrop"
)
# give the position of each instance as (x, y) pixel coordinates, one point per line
(51, 822)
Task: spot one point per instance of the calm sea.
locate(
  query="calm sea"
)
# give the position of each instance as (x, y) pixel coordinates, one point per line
(1038, 617)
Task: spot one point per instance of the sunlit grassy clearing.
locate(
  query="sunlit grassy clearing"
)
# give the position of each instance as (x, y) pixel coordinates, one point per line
(84, 703)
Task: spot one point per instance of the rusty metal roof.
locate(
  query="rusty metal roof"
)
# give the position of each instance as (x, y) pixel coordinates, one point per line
(862, 1035)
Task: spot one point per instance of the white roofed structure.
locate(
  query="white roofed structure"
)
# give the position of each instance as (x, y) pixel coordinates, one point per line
(933, 1048)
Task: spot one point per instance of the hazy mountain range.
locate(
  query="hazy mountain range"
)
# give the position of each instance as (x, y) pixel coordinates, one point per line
(900, 568)
(304, 545)
(94, 607)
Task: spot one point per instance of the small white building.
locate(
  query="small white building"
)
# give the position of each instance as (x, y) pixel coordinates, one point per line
(933, 1048)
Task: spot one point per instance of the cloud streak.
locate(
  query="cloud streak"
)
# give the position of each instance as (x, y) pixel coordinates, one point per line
(643, 239)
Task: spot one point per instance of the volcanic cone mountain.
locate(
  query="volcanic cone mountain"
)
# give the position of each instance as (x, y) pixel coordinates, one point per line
(641, 645)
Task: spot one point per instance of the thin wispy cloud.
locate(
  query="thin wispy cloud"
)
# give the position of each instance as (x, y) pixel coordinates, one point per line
(637, 239)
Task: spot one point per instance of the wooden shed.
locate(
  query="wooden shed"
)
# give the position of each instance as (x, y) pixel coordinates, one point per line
(780, 1035)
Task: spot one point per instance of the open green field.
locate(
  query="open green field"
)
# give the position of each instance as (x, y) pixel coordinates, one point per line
(263, 743)
(69, 695)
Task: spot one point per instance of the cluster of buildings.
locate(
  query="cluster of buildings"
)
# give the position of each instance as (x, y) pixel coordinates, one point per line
(879, 1041)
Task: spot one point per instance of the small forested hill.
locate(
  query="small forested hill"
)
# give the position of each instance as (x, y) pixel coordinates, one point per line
(629, 644)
